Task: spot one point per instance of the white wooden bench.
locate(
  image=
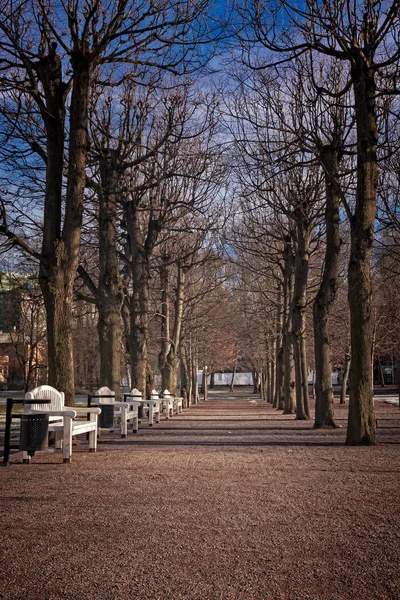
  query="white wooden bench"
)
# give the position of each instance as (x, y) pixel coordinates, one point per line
(63, 420)
(174, 403)
(151, 407)
(168, 404)
(125, 412)
(178, 404)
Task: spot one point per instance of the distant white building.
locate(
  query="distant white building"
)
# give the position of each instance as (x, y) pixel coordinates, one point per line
(226, 378)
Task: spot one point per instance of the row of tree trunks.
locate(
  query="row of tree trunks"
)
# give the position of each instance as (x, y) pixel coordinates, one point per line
(189, 365)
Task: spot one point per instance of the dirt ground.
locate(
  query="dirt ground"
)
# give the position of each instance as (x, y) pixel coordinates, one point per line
(230, 500)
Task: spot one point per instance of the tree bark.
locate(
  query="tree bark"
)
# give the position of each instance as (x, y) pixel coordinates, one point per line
(205, 383)
(263, 385)
(110, 292)
(381, 375)
(298, 318)
(165, 342)
(60, 250)
(51, 277)
(324, 412)
(361, 421)
(272, 374)
(168, 359)
(195, 385)
(140, 253)
(288, 358)
(185, 376)
(232, 385)
(278, 395)
(212, 380)
(343, 391)
(256, 382)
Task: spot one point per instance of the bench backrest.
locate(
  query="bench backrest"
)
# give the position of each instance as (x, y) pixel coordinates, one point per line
(135, 394)
(103, 391)
(45, 392)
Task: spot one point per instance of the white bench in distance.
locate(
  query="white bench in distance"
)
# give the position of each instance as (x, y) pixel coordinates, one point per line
(168, 404)
(178, 404)
(122, 410)
(63, 420)
(151, 407)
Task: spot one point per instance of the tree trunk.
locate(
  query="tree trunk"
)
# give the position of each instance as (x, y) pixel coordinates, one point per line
(343, 390)
(269, 381)
(110, 293)
(138, 340)
(324, 414)
(51, 270)
(195, 370)
(298, 319)
(272, 375)
(60, 252)
(205, 384)
(169, 355)
(361, 421)
(264, 386)
(289, 381)
(256, 382)
(288, 359)
(278, 353)
(232, 386)
(212, 381)
(149, 382)
(140, 253)
(381, 375)
(165, 343)
(185, 376)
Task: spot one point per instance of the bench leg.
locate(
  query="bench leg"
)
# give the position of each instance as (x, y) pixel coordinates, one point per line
(67, 439)
(124, 422)
(93, 435)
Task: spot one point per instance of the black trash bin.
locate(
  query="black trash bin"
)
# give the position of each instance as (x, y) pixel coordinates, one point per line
(106, 417)
(34, 429)
(34, 433)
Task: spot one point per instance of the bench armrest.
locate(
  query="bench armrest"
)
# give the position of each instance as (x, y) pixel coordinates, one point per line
(85, 411)
(120, 404)
(56, 413)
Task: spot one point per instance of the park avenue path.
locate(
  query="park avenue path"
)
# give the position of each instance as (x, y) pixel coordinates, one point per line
(230, 500)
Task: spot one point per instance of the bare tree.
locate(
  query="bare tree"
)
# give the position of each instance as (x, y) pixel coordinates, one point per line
(182, 177)
(93, 37)
(364, 36)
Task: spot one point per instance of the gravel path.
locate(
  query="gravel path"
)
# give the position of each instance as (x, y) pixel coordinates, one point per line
(230, 500)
